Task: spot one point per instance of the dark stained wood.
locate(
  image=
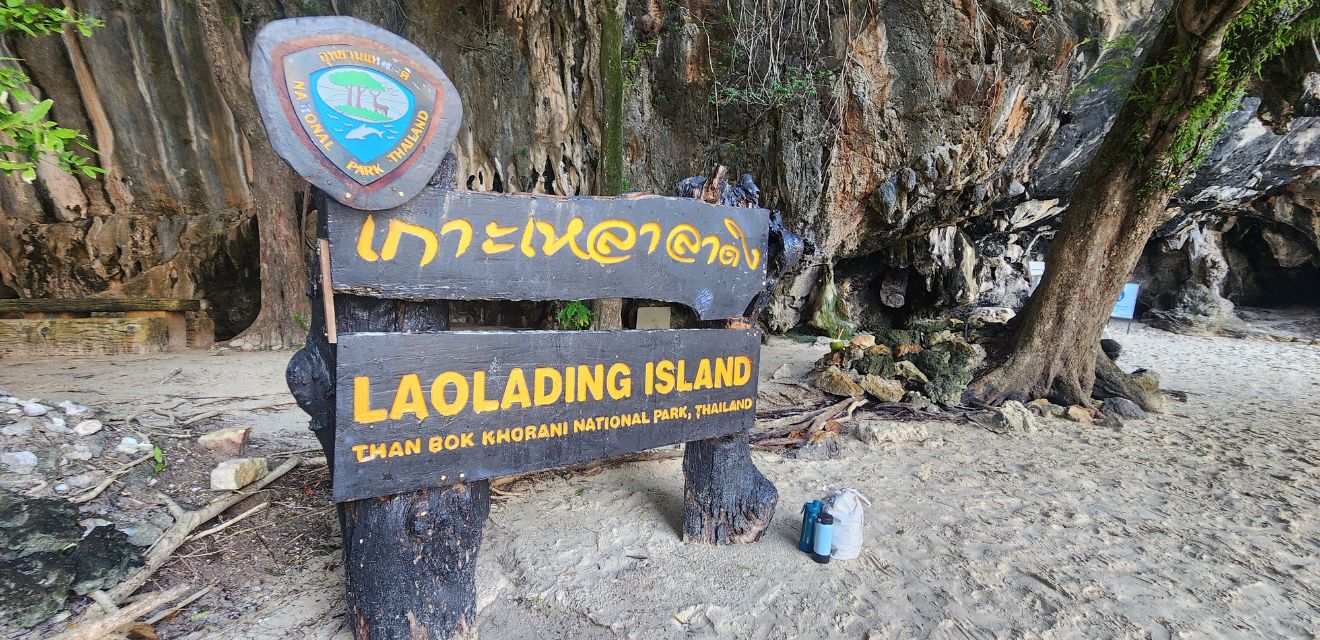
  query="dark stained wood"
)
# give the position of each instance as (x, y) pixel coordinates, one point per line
(373, 458)
(409, 559)
(96, 305)
(479, 246)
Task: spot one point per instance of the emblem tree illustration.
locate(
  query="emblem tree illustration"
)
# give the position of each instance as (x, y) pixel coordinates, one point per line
(357, 83)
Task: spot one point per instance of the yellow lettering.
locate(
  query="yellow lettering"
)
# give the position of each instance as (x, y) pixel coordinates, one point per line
(515, 391)
(398, 228)
(479, 402)
(494, 230)
(412, 446)
(362, 411)
(361, 451)
(464, 229)
(723, 372)
(544, 375)
(445, 407)
(602, 242)
(652, 228)
(591, 379)
(365, 238)
(620, 381)
(408, 398)
(702, 380)
(554, 242)
(743, 373)
(683, 242)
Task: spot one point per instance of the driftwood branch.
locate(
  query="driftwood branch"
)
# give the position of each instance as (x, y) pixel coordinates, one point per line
(97, 628)
(90, 494)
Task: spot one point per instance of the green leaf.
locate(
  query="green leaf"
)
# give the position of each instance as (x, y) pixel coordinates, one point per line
(159, 457)
(38, 110)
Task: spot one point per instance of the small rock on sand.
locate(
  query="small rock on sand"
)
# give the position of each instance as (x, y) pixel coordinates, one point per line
(887, 434)
(226, 443)
(34, 409)
(87, 427)
(1124, 408)
(72, 408)
(20, 462)
(991, 315)
(782, 372)
(131, 446)
(1078, 413)
(882, 389)
(909, 371)
(864, 341)
(1014, 417)
(235, 474)
(834, 381)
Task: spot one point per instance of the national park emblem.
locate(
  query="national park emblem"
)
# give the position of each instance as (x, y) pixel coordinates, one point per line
(356, 110)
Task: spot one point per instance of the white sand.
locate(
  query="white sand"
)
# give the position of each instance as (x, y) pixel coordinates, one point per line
(1198, 523)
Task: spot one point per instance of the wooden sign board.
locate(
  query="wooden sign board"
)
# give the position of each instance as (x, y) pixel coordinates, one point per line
(425, 410)
(463, 245)
(356, 110)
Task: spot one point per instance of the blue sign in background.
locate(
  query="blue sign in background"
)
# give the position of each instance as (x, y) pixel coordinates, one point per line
(366, 139)
(1126, 307)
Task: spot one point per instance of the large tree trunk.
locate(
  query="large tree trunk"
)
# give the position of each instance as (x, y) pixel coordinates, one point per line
(279, 232)
(1120, 200)
(409, 559)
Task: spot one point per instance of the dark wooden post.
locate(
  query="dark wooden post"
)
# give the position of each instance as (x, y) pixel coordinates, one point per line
(726, 499)
(409, 559)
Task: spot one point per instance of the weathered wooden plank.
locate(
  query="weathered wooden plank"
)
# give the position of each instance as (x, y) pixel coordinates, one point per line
(82, 336)
(464, 245)
(96, 305)
(426, 410)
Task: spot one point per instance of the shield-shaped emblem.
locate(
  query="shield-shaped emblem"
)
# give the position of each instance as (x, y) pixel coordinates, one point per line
(356, 110)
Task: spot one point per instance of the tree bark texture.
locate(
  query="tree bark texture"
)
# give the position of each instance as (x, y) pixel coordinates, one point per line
(1106, 226)
(409, 559)
(279, 234)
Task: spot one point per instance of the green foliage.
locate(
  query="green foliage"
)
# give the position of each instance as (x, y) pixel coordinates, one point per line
(159, 457)
(796, 85)
(1040, 6)
(575, 315)
(302, 320)
(632, 63)
(26, 135)
(1258, 33)
(358, 79)
(1117, 57)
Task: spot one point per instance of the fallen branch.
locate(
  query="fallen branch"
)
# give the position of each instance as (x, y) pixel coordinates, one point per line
(222, 527)
(91, 494)
(184, 523)
(784, 426)
(97, 628)
(199, 417)
(181, 604)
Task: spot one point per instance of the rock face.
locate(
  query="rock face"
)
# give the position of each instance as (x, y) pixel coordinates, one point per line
(925, 148)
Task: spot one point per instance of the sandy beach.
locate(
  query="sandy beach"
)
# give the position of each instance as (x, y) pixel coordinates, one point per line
(1201, 522)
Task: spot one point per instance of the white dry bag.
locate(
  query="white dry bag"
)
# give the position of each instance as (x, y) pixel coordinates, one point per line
(846, 507)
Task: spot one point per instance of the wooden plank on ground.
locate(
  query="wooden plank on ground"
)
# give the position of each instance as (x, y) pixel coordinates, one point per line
(102, 305)
(82, 336)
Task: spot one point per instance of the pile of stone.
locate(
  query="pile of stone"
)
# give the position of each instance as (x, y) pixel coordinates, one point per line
(65, 525)
(927, 365)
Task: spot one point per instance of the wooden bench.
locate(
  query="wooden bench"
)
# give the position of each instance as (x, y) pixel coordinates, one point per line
(63, 326)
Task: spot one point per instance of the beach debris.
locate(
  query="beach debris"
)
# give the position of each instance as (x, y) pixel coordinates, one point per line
(33, 409)
(1078, 413)
(1014, 417)
(991, 315)
(20, 462)
(87, 427)
(235, 474)
(57, 425)
(864, 341)
(72, 408)
(888, 434)
(835, 382)
(226, 443)
(1123, 408)
(131, 446)
(882, 389)
(20, 428)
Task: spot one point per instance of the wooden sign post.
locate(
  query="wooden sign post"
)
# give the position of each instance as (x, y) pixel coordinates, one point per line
(415, 418)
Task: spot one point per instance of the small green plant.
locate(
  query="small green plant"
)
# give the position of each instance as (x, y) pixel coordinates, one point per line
(1040, 6)
(159, 457)
(632, 63)
(576, 315)
(302, 320)
(795, 85)
(1117, 58)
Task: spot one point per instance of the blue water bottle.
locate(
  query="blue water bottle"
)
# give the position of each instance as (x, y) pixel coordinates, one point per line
(810, 511)
(821, 540)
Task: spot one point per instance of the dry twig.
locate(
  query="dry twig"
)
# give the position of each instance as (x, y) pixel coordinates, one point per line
(90, 494)
(97, 628)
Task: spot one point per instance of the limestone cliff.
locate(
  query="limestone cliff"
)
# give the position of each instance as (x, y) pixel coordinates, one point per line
(924, 147)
